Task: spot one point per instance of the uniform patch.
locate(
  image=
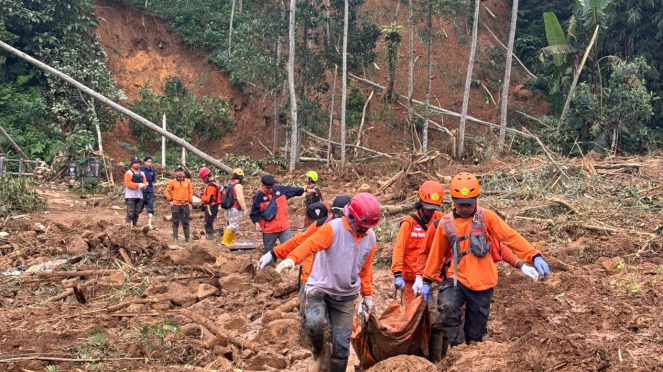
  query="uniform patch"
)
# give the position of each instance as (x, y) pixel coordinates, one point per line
(464, 191)
(434, 196)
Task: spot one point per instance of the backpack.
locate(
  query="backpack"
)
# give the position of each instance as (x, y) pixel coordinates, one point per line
(228, 196)
(480, 243)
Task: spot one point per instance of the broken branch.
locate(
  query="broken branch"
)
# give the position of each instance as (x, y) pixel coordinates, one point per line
(347, 145)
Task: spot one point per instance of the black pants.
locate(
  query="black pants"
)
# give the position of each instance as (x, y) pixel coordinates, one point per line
(210, 216)
(148, 201)
(450, 300)
(134, 207)
(340, 311)
(180, 213)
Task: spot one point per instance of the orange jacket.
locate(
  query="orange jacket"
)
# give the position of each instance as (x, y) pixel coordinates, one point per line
(409, 243)
(282, 251)
(130, 184)
(261, 199)
(321, 240)
(180, 192)
(476, 273)
(507, 254)
(211, 193)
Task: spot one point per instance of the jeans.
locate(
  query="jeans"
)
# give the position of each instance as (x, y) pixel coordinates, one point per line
(340, 311)
(134, 207)
(450, 300)
(180, 213)
(148, 201)
(269, 240)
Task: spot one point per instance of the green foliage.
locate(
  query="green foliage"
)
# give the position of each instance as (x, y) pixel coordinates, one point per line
(52, 368)
(37, 109)
(17, 197)
(354, 106)
(158, 331)
(187, 117)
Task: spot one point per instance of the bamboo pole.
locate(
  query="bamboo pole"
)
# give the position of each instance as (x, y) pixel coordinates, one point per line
(163, 143)
(331, 109)
(12, 141)
(117, 107)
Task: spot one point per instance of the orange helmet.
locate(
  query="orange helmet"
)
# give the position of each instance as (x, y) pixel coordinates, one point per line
(431, 194)
(464, 186)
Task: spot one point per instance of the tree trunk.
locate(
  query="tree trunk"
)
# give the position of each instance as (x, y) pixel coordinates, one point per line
(468, 81)
(230, 31)
(424, 146)
(275, 146)
(328, 5)
(240, 7)
(291, 84)
(344, 92)
(96, 126)
(507, 73)
(410, 64)
(331, 115)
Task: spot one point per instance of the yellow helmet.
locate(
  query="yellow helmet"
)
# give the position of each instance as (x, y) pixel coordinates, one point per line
(313, 175)
(238, 171)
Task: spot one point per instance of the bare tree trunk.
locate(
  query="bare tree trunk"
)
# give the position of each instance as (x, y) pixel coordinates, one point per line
(344, 92)
(230, 31)
(291, 83)
(331, 115)
(410, 63)
(275, 145)
(328, 5)
(424, 146)
(468, 80)
(507, 72)
(240, 7)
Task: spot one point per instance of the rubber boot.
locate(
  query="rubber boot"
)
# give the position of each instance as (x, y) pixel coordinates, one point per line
(210, 236)
(435, 350)
(315, 363)
(149, 221)
(338, 366)
(175, 240)
(231, 237)
(187, 236)
(225, 240)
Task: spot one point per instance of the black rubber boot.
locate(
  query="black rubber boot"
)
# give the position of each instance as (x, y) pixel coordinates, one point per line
(337, 366)
(210, 236)
(436, 351)
(175, 240)
(187, 236)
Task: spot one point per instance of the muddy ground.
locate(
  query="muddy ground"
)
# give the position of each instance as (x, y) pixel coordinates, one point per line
(140, 303)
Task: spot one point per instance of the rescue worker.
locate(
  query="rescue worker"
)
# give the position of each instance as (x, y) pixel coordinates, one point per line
(210, 200)
(313, 194)
(316, 216)
(234, 213)
(148, 193)
(134, 183)
(269, 212)
(180, 195)
(411, 236)
(471, 274)
(437, 346)
(343, 268)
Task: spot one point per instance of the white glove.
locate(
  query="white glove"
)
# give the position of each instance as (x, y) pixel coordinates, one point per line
(141, 185)
(530, 271)
(418, 284)
(287, 264)
(265, 260)
(366, 305)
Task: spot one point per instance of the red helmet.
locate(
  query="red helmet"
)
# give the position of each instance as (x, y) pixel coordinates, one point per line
(365, 208)
(204, 171)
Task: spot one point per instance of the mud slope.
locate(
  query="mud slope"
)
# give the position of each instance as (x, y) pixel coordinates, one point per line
(142, 48)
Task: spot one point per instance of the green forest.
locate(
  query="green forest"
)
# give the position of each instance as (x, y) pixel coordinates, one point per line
(615, 107)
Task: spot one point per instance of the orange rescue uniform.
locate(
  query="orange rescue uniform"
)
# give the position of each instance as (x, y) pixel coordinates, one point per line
(475, 273)
(180, 192)
(282, 251)
(409, 243)
(210, 194)
(322, 240)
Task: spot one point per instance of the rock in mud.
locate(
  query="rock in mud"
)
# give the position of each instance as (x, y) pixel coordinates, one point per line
(236, 323)
(280, 333)
(268, 275)
(192, 330)
(231, 264)
(78, 246)
(266, 358)
(234, 283)
(206, 290)
(180, 295)
(154, 290)
(300, 355)
(404, 363)
(610, 266)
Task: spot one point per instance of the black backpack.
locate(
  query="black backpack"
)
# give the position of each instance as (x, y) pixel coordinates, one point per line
(228, 196)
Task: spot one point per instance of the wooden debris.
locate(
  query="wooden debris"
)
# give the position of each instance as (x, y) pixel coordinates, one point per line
(232, 336)
(390, 210)
(66, 274)
(285, 289)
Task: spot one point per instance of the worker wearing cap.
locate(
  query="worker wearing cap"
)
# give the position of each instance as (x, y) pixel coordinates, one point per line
(342, 269)
(233, 214)
(269, 211)
(148, 193)
(313, 194)
(471, 273)
(210, 199)
(411, 236)
(180, 195)
(134, 183)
